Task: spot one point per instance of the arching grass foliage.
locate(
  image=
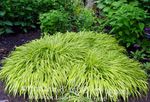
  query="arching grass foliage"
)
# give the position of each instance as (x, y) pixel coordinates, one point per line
(73, 67)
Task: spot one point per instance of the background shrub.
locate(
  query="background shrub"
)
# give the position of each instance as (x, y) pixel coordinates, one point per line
(85, 19)
(54, 21)
(146, 67)
(126, 19)
(17, 15)
(127, 23)
(60, 21)
(22, 15)
(91, 65)
(111, 5)
(108, 5)
(145, 4)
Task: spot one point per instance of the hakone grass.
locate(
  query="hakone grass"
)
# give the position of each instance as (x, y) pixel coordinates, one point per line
(73, 67)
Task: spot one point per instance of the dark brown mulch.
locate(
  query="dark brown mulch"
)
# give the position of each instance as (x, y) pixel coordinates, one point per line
(8, 43)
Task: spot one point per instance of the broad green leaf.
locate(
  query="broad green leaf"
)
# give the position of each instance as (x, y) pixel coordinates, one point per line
(8, 30)
(2, 13)
(141, 25)
(9, 23)
(2, 31)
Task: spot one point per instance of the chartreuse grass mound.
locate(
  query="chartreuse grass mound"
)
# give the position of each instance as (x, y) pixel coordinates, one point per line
(73, 67)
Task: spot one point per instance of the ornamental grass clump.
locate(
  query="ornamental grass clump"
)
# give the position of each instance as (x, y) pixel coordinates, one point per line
(73, 67)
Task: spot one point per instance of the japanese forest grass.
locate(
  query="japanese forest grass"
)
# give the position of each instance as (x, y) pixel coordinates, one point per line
(73, 67)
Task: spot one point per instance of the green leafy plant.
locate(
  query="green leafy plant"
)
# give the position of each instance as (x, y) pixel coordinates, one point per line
(146, 67)
(112, 5)
(145, 4)
(54, 21)
(145, 46)
(57, 21)
(22, 15)
(85, 19)
(109, 5)
(17, 15)
(138, 55)
(73, 66)
(127, 23)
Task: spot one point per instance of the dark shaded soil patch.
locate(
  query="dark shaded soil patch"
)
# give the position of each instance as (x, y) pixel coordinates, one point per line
(8, 43)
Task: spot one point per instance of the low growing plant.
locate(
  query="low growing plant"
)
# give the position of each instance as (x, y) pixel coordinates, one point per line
(73, 66)
(138, 54)
(146, 67)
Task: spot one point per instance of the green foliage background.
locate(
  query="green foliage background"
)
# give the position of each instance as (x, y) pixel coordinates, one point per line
(59, 21)
(54, 21)
(23, 15)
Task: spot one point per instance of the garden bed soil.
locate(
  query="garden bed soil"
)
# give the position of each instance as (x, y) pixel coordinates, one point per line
(8, 43)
